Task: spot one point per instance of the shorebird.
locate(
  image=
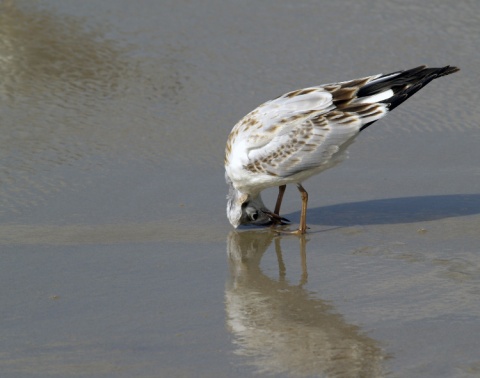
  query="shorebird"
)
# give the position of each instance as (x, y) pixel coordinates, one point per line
(304, 132)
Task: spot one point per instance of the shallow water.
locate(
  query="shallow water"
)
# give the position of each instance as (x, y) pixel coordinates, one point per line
(117, 257)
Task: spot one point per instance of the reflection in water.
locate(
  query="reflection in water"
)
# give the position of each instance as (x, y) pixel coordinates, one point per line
(281, 328)
(56, 77)
(38, 48)
(73, 99)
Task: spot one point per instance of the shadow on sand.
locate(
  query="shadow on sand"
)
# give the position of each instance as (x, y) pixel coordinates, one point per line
(392, 210)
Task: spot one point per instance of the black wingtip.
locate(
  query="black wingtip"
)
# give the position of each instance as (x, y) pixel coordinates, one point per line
(411, 81)
(449, 70)
(404, 84)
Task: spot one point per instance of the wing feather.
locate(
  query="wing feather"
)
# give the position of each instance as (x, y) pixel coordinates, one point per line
(307, 139)
(308, 130)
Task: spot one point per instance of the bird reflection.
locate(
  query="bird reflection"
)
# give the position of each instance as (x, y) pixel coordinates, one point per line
(281, 328)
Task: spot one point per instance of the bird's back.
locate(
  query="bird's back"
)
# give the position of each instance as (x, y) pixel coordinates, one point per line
(306, 131)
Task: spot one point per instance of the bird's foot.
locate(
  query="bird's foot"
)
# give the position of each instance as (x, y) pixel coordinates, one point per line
(298, 231)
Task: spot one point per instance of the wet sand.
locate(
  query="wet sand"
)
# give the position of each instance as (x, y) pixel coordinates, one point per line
(117, 257)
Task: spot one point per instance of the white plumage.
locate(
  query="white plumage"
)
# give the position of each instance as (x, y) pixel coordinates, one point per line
(303, 132)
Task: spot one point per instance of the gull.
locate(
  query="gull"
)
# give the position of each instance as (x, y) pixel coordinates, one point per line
(304, 132)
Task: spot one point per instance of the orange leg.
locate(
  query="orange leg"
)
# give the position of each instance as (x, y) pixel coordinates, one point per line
(281, 190)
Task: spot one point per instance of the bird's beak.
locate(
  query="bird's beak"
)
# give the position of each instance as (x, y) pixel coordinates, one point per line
(276, 219)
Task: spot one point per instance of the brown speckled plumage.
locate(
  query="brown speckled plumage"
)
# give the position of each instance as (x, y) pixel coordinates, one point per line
(305, 131)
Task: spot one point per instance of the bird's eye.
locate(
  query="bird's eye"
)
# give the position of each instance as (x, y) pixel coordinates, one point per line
(252, 213)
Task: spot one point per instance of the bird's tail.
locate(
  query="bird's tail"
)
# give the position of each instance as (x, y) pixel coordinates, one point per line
(403, 84)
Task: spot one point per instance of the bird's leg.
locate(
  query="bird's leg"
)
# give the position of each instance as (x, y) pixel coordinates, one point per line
(303, 217)
(276, 218)
(302, 229)
(281, 190)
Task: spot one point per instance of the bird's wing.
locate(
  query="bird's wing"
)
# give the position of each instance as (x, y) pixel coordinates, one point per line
(274, 118)
(303, 129)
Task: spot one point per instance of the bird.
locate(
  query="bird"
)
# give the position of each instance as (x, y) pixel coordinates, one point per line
(304, 132)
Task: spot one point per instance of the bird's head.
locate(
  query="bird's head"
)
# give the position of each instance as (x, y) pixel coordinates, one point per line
(244, 209)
